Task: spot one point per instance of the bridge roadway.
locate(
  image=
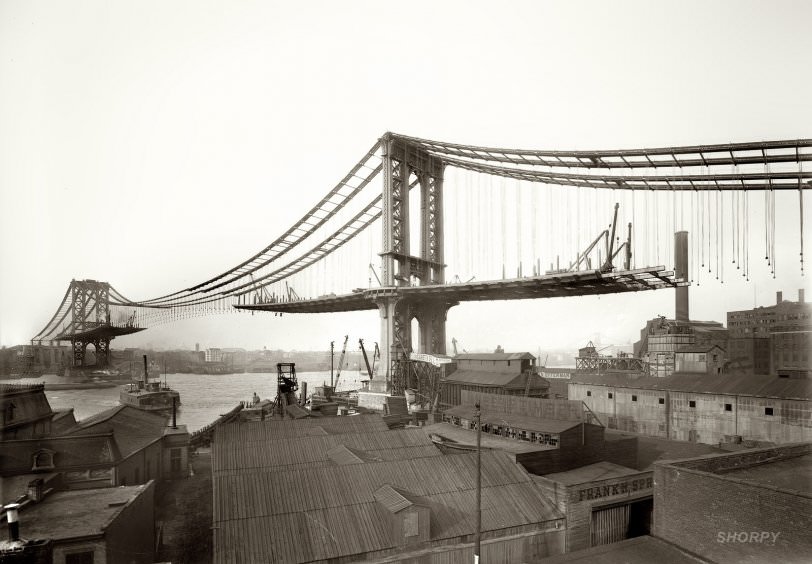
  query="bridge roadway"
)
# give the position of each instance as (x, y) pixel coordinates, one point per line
(568, 284)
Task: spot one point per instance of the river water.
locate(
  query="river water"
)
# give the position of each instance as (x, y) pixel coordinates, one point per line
(204, 397)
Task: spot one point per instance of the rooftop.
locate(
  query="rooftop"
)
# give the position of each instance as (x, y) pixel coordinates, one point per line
(76, 513)
(639, 550)
(276, 429)
(495, 356)
(465, 439)
(653, 449)
(524, 422)
(731, 384)
(132, 428)
(785, 467)
(591, 473)
(497, 379)
(333, 512)
(248, 452)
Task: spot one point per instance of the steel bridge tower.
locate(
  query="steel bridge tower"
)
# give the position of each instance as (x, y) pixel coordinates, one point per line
(406, 166)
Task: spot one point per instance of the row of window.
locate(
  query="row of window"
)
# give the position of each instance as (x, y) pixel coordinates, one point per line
(506, 432)
(691, 403)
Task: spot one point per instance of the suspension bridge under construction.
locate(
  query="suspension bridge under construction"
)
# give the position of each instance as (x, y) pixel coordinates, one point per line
(448, 223)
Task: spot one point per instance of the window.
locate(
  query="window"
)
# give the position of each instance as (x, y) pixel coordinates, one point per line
(768, 411)
(634, 398)
(43, 460)
(589, 392)
(661, 401)
(728, 407)
(79, 558)
(8, 412)
(610, 395)
(691, 403)
(410, 528)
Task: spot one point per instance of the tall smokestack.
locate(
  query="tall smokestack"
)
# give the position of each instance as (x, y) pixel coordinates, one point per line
(13, 518)
(779, 297)
(146, 373)
(681, 272)
(800, 295)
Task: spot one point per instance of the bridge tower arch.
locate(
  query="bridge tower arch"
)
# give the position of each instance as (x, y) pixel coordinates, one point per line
(406, 166)
(91, 310)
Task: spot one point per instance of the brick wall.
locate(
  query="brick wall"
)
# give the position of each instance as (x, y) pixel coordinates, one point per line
(698, 511)
(621, 451)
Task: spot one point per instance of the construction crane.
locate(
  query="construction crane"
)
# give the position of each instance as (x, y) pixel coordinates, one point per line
(341, 361)
(370, 369)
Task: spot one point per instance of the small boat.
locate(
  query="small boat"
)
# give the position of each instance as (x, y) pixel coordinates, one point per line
(149, 395)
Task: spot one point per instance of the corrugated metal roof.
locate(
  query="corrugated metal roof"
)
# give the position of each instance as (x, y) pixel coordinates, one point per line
(495, 356)
(392, 499)
(341, 455)
(275, 429)
(234, 449)
(727, 384)
(524, 422)
(511, 380)
(314, 514)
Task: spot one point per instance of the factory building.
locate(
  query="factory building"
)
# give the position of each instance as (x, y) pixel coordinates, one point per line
(701, 408)
(774, 339)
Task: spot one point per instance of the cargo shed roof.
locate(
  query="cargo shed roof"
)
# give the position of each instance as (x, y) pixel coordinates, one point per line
(332, 512)
(726, 384)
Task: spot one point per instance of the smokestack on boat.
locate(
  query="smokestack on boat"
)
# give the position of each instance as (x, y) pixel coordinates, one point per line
(174, 412)
(146, 373)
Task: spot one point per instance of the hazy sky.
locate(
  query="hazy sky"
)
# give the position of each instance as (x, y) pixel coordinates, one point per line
(154, 144)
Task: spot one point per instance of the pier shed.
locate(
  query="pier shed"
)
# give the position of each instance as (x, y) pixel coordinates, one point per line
(401, 511)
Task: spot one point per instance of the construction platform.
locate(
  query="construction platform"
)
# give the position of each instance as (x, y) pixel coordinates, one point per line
(582, 283)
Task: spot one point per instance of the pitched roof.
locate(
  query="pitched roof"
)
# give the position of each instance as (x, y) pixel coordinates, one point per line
(394, 499)
(495, 356)
(233, 449)
(332, 512)
(497, 379)
(70, 452)
(276, 429)
(523, 422)
(132, 428)
(753, 385)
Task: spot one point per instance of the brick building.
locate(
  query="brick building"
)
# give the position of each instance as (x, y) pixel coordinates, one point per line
(746, 507)
(766, 340)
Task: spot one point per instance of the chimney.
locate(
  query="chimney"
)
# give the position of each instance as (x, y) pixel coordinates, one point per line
(35, 488)
(800, 295)
(13, 518)
(174, 412)
(681, 272)
(779, 297)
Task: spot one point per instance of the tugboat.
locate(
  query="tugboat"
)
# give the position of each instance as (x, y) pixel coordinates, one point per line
(149, 396)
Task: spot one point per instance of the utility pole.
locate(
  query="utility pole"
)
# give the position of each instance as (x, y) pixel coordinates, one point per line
(332, 349)
(478, 418)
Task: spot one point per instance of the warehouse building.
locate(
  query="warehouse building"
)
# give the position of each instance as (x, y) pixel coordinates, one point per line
(701, 408)
(345, 488)
(493, 373)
